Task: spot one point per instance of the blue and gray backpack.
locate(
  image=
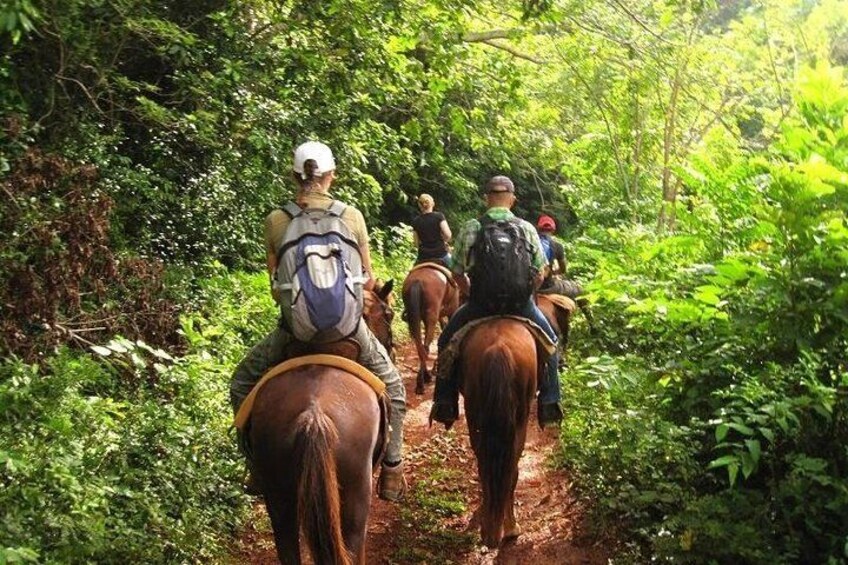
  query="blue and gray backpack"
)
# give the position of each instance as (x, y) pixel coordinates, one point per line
(319, 275)
(547, 248)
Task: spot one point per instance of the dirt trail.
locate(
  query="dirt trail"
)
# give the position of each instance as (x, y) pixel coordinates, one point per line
(432, 524)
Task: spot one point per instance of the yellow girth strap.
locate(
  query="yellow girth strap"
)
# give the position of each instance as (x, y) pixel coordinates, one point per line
(335, 361)
(441, 268)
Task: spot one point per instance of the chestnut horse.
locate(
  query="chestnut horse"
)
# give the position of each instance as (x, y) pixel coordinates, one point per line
(498, 375)
(428, 297)
(558, 318)
(314, 434)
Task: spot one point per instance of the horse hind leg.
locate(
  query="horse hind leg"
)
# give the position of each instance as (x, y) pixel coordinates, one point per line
(422, 366)
(511, 527)
(355, 508)
(429, 336)
(286, 531)
(420, 379)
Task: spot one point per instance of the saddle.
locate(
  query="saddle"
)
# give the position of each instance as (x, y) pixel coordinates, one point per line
(448, 358)
(348, 348)
(339, 355)
(441, 268)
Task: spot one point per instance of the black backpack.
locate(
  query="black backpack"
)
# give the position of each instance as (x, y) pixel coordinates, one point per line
(502, 271)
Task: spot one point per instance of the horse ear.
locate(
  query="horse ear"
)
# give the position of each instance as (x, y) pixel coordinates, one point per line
(386, 290)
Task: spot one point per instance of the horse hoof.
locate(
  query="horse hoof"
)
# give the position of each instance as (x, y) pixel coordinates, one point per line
(512, 533)
(428, 378)
(419, 389)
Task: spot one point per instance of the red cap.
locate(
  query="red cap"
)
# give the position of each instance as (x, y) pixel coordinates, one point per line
(546, 223)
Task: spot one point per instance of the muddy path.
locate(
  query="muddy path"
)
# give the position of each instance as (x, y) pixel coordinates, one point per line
(432, 524)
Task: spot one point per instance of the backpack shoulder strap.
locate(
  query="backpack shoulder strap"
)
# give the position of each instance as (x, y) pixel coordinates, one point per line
(292, 209)
(337, 208)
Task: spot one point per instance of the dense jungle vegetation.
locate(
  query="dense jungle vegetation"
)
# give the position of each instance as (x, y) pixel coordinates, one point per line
(693, 152)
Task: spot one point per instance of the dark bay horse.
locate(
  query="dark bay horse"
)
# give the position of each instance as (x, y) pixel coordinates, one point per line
(498, 366)
(315, 437)
(428, 297)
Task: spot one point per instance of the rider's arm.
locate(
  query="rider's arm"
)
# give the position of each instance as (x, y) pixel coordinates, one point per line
(366, 266)
(462, 283)
(446, 232)
(272, 263)
(415, 239)
(357, 221)
(275, 228)
(538, 256)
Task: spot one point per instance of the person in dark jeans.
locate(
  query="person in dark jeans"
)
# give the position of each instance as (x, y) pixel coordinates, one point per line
(500, 197)
(431, 233)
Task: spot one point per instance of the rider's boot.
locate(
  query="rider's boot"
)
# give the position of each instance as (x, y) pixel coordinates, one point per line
(250, 485)
(548, 409)
(392, 483)
(445, 397)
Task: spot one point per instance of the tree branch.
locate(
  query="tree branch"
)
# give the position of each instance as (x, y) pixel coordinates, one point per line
(483, 36)
(513, 51)
(511, 33)
(642, 24)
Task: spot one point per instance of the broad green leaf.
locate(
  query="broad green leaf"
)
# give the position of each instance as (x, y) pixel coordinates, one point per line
(721, 432)
(117, 347)
(723, 461)
(754, 448)
(708, 296)
(741, 428)
(748, 464)
(767, 433)
(732, 472)
(100, 350)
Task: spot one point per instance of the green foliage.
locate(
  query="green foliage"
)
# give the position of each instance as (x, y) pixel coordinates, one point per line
(139, 464)
(726, 358)
(143, 141)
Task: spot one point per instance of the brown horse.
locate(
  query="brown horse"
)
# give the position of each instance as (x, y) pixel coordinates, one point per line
(558, 318)
(498, 367)
(428, 297)
(315, 433)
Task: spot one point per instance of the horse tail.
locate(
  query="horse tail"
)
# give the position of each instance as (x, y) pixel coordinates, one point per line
(416, 305)
(499, 428)
(318, 505)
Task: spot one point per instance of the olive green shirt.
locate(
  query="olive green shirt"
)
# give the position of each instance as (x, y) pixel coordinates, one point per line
(277, 221)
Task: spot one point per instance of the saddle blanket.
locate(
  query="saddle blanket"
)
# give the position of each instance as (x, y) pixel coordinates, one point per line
(335, 361)
(452, 351)
(441, 268)
(560, 301)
